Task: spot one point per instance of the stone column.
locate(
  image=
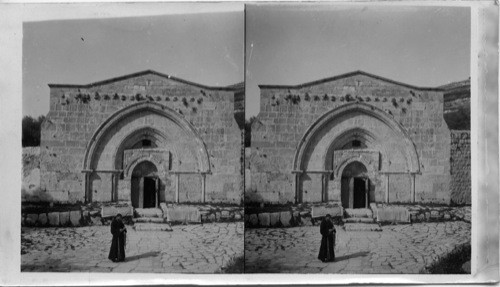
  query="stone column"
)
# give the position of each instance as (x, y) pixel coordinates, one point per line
(412, 191)
(203, 186)
(387, 188)
(177, 188)
(88, 192)
(297, 178)
(114, 196)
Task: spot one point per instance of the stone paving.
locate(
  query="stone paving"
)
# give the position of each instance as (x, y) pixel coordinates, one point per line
(397, 249)
(187, 249)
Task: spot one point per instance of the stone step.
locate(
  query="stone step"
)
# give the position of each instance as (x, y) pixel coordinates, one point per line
(362, 227)
(148, 212)
(359, 212)
(152, 227)
(359, 220)
(149, 219)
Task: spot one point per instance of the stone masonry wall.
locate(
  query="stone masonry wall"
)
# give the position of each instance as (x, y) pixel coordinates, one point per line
(286, 114)
(76, 112)
(460, 167)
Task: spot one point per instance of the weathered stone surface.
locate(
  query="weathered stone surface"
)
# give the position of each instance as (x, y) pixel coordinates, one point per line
(42, 219)
(53, 218)
(225, 214)
(392, 214)
(427, 215)
(192, 248)
(460, 168)
(388, 110)
(402, 249)
(211, 217)
(64, 218)
(264, 219)
(145, 212)
(96, 221)
(152, 227)
(180, 213)
(253, 219)
(320, 211)
(166, 105)
(274, 218)
(112, 211)
(75, 217)
(306, 221)
(237, 216)
(31, 219)
(285, 218)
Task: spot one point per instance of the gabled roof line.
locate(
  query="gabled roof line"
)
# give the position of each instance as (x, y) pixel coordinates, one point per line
(146, 72)
(350, 74)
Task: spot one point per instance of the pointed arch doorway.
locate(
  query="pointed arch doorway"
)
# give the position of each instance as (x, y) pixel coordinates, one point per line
(355, 186)
(145, 185)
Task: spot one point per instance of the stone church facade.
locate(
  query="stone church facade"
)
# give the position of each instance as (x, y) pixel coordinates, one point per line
(143, 138)
(355, 139)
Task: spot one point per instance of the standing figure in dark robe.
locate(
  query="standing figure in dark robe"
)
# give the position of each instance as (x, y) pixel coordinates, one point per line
(328, 232)
(117, 251)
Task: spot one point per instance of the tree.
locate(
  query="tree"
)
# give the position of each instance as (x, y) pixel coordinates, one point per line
(31, 130)
(248, 130)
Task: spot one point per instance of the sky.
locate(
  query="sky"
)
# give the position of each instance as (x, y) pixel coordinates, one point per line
(206, 48)
(288, 45)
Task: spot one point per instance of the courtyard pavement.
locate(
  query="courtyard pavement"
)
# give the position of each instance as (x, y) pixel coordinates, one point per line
(397, 249)
(187, 249)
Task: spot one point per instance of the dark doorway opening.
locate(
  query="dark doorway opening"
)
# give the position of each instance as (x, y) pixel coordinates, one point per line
(359, 200)
(149, 192)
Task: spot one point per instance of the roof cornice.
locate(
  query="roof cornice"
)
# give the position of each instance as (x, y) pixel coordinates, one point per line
(142, 73)
(355, 73)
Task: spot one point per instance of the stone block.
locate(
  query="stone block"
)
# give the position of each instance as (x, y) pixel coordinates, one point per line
(306, 221)
(31, 219)
(435, 214)
(64, 218)
(74, 217)
(421, 217)
(182, 213)
(264, 219)
(285, 218)
(217, 216)
(112, 211)
(237, 216)
(211, 217)
(42, 219)
(447, 216)
(96, 221)
(274, 218)
(253, 219)
(225, 214)
(427, 215)
(53, 218)
(94, 213)
(163, 207)
(320, 211)
(86, 217)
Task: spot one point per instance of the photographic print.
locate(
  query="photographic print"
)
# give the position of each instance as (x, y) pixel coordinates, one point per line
(132, 143)
(359, 156)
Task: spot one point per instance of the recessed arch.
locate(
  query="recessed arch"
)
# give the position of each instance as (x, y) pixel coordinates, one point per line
(306, 141)
(109, 123)
(157, 137)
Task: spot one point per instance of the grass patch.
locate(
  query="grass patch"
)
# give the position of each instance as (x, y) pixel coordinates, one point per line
(451, 263)
(236, 265)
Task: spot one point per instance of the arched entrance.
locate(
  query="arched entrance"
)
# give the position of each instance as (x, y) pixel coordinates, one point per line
(355, 186)
(145, 185)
